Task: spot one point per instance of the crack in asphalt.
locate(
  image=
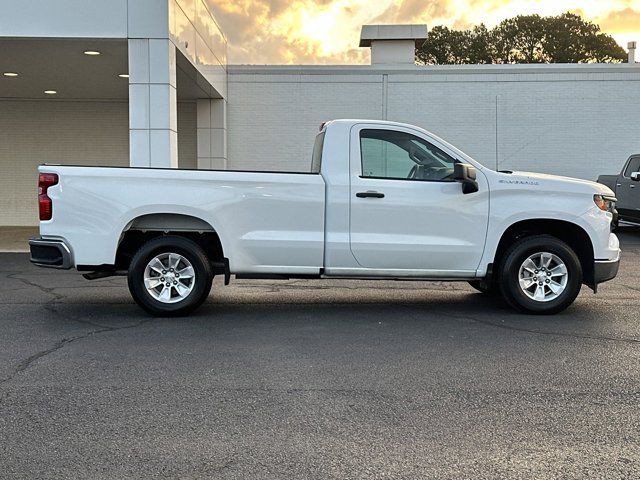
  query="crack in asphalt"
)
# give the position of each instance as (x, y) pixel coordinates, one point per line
(27, 362)
(57, 298)
(50, 290)
(51, 307)
(46, 290)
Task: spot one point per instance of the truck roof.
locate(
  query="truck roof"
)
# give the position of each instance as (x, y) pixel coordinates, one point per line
(354, 121)
(347, 123)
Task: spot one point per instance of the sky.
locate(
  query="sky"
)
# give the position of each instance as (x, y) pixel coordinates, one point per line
(327, 31)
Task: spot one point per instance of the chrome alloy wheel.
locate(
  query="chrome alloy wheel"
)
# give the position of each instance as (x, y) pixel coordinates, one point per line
(169, 277)
(543, 276)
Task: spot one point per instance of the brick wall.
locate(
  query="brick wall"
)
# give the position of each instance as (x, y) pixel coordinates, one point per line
(67, 133)
(576, 120)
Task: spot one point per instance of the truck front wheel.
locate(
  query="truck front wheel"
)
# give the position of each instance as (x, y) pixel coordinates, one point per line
(540, 274)
(170, 276)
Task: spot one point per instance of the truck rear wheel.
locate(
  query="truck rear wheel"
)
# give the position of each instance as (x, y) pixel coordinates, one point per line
(540, 274)
(170, 276)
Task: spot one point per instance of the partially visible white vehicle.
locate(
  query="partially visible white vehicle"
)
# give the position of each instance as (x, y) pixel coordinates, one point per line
(383, 200)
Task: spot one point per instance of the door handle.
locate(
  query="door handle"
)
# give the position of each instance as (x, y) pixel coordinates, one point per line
(370, 194)
(632, 186)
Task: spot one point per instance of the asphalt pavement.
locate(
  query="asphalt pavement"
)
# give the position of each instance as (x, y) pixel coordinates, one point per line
(316, 379)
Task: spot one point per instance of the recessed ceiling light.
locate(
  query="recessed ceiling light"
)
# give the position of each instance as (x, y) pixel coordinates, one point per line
(91, 52)
(123, 75)
(10, 74)
(50, 92)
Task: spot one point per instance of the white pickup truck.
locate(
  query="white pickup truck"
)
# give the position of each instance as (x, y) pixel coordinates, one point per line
(382, 200)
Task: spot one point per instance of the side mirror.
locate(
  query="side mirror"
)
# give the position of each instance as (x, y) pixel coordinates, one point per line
(466, 175)
(635, 176)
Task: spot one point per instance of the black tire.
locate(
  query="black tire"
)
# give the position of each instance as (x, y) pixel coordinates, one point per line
(480, 286)
(202, 279)
(509, 269)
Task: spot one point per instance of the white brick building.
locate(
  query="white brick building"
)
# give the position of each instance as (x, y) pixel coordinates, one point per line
(576, 120)
(182, 106)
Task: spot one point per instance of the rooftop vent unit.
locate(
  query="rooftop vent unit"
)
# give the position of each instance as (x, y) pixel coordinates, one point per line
(393, 44)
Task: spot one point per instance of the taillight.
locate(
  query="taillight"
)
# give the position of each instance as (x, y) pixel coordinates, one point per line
(45, 205)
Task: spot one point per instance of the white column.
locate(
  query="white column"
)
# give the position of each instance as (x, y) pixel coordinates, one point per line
(212, 133)
(153, 129)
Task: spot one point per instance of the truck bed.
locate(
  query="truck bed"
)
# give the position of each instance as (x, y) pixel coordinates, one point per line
(258, 215)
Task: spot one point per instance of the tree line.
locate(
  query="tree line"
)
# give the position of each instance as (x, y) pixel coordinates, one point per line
(566, 38)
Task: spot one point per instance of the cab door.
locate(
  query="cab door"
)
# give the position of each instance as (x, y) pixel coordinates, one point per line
(406, 212)
(628, 192)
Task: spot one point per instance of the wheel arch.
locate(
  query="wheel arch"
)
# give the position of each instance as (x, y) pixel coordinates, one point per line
(169, 221)
(571, 233)
(147, 226)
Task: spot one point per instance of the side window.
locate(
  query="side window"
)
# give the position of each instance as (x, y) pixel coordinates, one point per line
(316, 159)
(632, 166)
(400, 155)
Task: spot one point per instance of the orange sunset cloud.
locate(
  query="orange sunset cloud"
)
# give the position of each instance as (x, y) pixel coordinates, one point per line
(327, 31)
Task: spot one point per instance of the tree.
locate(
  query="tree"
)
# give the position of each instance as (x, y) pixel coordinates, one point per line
(565, 38)
(520, 40)
(569, 39)
(447, 46)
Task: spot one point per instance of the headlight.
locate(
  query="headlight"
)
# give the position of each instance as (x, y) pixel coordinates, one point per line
(606, 203)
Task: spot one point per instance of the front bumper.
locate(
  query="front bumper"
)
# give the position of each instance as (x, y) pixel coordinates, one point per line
(50, 253)
(604, 270)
